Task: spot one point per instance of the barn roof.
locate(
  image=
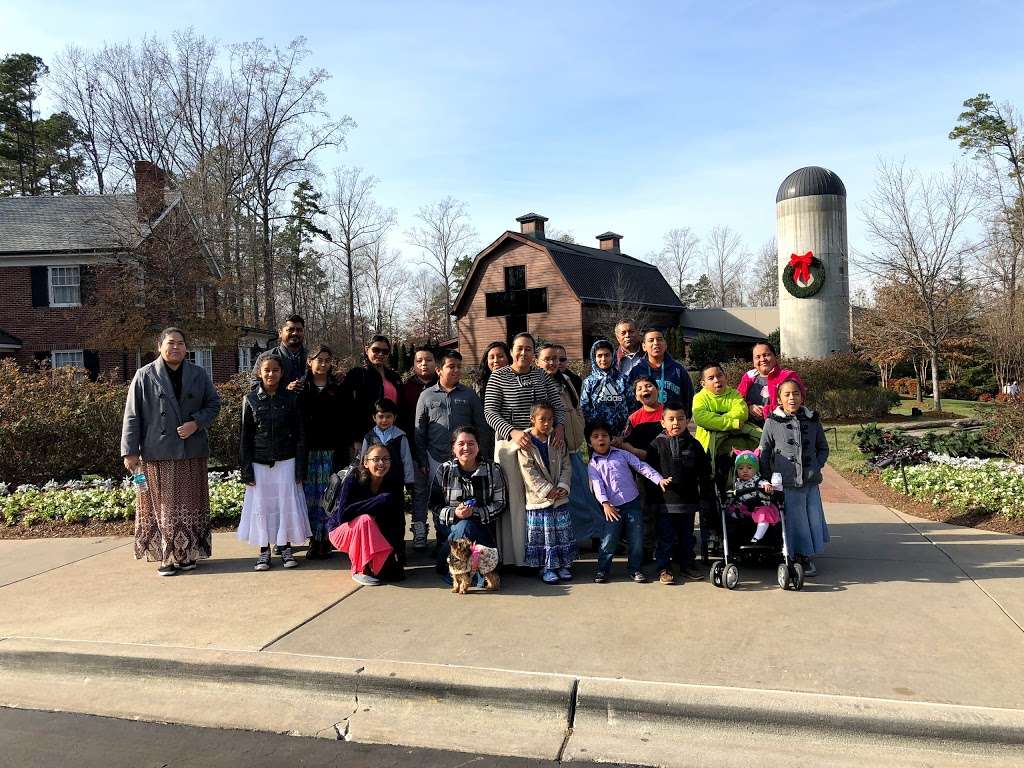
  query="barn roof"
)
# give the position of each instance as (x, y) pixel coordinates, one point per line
(812, 180)
(596, 276)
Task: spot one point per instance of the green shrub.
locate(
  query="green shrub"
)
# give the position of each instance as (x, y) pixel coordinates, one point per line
(961, 443)
(869, 403)
(58, 425)
(1004, 428)
(873, 440)
(706, 348)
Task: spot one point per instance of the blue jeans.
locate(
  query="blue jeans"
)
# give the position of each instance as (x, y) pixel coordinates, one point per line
(471, 528)
(631, 514)
(675, 537)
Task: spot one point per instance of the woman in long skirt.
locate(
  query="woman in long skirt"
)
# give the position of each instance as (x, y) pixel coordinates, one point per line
(164, 443)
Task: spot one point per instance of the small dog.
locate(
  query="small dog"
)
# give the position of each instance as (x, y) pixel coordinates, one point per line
(466, 559)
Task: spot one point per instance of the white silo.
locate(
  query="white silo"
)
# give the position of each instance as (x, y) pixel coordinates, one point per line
(814, 268)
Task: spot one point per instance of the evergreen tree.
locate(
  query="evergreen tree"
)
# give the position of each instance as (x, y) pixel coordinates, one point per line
(19, 88)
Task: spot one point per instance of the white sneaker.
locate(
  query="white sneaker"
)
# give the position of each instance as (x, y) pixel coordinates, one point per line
(419, 536)
(365, 579)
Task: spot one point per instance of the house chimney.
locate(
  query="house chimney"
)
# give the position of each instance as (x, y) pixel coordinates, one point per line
(532, 224)
(150, 181)
(609, 241)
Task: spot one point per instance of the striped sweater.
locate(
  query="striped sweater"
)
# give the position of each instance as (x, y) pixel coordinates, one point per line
(511, 396)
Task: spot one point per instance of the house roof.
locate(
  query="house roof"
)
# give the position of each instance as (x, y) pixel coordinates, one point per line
(71, 223)
(594, 275)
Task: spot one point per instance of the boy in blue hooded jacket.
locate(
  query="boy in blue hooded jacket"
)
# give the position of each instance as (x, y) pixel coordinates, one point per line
(603, 398)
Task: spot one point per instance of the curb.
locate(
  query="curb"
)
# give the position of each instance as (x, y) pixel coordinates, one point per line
(550, 716)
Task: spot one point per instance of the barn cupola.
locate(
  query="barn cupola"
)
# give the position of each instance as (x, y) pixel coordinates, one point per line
(532, 224)
(609, 241)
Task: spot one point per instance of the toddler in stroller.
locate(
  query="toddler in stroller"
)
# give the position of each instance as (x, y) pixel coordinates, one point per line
(752, 496)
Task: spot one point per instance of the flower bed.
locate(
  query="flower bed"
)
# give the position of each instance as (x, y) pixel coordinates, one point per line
(103, 501)
(965, 484)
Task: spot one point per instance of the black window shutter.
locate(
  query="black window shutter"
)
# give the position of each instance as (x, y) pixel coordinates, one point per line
(40, 287)
(92, 363)
(86, 284)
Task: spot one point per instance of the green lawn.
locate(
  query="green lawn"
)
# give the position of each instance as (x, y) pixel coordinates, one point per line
(846, 458)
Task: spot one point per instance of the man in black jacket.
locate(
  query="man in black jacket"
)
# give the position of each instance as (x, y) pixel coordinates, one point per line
(292, 353)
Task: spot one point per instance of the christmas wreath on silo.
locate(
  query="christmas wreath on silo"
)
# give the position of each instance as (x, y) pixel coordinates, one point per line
(804, 275)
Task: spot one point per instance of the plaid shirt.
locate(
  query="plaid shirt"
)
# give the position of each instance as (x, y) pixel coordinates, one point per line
(451, 486)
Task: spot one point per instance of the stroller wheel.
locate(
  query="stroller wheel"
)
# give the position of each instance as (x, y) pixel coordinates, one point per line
(716, 572)
(732, 576)
(798, 576)
(783, 576)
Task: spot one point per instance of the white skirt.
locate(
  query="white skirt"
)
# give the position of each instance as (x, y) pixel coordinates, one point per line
(274, 510)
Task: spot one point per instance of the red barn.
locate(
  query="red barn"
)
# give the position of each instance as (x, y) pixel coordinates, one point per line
(558, 291)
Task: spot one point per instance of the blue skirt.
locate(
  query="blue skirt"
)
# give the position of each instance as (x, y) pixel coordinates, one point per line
(806, 529)
(318, 473)
(586, 511)
(550, 543)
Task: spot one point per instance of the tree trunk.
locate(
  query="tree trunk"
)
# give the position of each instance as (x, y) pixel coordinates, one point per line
(268, 273)
(936, 397)
(351, 299)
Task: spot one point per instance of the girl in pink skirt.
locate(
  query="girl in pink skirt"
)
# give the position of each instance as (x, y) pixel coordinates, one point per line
(369, 522)
(752, 495)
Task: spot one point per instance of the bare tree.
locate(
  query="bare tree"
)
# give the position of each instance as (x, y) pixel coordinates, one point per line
(385, 280)
(77, 89)
(291, 126)
(444, 235)
(722, 254)
(359, 223)
(678, 256)
(623, 299)
(426, 307)
(916, 225)
(763, 288)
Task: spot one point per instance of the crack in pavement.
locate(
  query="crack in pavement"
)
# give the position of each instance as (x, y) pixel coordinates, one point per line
(959, 567)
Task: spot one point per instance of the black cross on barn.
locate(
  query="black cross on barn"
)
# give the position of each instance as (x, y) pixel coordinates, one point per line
(516, 302)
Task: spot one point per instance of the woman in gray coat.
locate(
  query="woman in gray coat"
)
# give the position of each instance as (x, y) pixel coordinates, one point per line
(171, 403)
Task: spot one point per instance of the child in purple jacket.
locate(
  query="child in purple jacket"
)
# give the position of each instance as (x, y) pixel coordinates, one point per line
(613, 485)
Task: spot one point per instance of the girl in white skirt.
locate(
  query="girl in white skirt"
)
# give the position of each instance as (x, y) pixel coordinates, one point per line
(273, 458)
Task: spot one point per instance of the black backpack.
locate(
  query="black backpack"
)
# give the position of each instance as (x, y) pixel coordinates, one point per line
(330, 498)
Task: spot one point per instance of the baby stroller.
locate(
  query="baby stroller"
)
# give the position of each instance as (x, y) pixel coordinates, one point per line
(720, 451)
(736, 547)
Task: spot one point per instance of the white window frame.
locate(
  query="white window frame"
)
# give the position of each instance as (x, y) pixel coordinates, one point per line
(244, 358)
(50, 285)
(200, 301)
(203, 357)
(78, 363)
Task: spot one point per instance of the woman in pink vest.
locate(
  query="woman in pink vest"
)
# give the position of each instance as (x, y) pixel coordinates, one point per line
(759, 385)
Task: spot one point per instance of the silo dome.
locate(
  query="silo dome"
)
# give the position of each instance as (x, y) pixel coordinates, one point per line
(812, 180)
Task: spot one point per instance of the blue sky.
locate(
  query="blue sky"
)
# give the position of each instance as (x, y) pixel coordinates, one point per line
(635, 117)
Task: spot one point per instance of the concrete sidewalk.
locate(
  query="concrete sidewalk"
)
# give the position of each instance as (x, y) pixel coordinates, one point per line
(911, 638)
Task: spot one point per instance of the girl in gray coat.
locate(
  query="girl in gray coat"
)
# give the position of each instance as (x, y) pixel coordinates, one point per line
(793, 445)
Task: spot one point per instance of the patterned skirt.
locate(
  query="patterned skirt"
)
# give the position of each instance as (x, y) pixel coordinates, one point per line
(318, 472)
(550, 541)
(172, 517)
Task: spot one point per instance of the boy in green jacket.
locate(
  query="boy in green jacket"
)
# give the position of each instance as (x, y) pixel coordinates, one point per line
(717, 407)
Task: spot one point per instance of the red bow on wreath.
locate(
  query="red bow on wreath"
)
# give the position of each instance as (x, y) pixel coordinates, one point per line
(801, 267)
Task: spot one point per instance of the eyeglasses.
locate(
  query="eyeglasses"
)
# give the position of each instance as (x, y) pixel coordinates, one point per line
(379, 460)
(379, 350)
(563, 359)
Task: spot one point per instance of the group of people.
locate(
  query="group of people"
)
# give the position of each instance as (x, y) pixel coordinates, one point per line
(531, 460)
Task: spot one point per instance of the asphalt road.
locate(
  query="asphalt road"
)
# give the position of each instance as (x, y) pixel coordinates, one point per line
(30, 739)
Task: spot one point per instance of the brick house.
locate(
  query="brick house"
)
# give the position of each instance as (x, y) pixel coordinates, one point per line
(557, 291)
(63, 262)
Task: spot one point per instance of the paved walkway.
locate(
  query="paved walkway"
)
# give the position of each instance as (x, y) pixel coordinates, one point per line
(904, 610)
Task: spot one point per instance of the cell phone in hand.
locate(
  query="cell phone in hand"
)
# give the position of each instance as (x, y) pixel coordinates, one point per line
(470, 502)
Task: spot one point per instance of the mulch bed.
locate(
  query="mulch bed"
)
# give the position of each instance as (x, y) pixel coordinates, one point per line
(881, 492)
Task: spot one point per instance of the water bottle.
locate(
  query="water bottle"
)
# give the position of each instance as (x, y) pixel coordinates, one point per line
(777, 480)
(139, 479)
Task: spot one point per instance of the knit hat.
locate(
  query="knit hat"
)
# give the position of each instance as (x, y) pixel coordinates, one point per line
(746, 457)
